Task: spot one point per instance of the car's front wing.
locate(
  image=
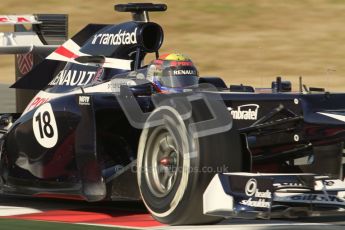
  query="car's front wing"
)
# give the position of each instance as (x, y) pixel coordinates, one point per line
(251, 195)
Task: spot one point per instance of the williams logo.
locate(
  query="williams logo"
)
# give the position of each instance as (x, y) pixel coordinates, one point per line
(84, 100)
(120, 38)
(245, 112)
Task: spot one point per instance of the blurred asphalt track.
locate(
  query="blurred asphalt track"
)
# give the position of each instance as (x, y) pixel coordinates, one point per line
(12, 205)
(7, 99)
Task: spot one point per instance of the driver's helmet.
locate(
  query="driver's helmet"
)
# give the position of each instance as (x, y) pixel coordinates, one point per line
(172, 73)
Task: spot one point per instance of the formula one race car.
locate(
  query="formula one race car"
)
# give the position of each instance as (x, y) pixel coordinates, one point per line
(101, 128)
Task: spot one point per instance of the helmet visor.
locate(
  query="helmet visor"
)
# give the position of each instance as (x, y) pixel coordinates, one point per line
(181, 76)
(179, 81)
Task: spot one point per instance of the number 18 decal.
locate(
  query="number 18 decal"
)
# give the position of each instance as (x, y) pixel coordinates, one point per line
(44, 126)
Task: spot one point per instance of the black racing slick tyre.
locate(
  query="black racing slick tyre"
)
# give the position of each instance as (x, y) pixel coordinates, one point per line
(175, 167)
(3, 166)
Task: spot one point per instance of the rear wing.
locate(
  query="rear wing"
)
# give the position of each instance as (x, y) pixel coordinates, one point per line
(18, 19)
(46, 33)
(34, 37)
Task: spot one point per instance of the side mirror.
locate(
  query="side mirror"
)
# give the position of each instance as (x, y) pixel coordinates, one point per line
(91, 59)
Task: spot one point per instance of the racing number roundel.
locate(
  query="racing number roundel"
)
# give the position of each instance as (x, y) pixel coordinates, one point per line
(44, 126)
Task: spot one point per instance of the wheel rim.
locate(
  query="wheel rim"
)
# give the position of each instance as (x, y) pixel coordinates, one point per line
(161, 162)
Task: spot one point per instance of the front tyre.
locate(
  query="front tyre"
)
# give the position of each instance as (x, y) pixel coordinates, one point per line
(174, 167)
(3, 166)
